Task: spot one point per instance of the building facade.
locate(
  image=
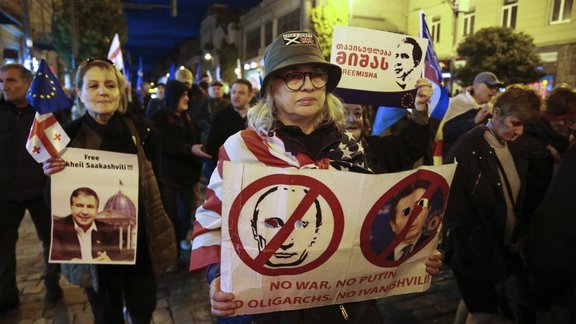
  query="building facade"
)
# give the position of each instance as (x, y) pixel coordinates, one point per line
(552, 24)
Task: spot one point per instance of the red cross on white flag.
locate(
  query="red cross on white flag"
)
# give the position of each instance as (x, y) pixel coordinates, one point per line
(115, 53)
(46, 138)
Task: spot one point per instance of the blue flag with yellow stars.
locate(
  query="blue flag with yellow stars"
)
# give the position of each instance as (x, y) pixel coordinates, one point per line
(45, 93)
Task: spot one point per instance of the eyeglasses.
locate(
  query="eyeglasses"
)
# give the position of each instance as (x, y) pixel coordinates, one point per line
(423, 202)
(492, 86)
(295, 80)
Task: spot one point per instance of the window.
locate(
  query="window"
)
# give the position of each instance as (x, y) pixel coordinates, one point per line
(561, 10)
(290, 21)
(268, 33)
(252, 43)
(468, 25)
(436, 30)
(509, 12)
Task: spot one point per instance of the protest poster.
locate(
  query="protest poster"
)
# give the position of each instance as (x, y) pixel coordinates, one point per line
(378, 67)
(94, 208)
(296, 239)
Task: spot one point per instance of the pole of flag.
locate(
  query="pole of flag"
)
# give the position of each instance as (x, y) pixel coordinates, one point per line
(440, 99)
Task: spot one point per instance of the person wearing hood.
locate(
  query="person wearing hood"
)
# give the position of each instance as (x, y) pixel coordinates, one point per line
(181, 157)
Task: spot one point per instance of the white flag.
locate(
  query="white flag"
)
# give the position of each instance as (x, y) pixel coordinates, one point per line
(115, 53)
(46, 138)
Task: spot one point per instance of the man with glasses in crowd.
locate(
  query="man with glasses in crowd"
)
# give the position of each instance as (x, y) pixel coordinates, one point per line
(468, 109)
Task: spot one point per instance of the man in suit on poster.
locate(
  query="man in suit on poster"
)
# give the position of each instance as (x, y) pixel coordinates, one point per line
(80, 237)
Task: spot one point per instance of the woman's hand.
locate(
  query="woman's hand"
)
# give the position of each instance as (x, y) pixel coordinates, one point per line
(424, 94)
(53, 165)
(223, 303)
(434, 263)
(197, 150)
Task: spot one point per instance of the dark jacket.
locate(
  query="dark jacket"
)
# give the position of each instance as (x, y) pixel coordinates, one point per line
(66, 246)
(179, 133)
(21, 177)
(397, 153)
(225, 124)
(533, 147)
(549, 249)
(116, 137)
(475, 216)
(458, 126)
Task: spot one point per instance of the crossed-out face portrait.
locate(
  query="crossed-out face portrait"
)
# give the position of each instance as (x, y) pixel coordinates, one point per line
(407, 221)
(295, 250)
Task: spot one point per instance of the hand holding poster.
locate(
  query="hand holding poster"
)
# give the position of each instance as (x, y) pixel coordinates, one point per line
(378, 67)
(296, 239)
(94, 208)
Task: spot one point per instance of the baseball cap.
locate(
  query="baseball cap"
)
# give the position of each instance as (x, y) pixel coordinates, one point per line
(216, 83)
(488, 78)
(294, 48)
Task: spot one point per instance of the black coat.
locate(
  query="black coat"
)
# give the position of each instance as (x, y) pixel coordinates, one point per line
(533, 146)
(475, 216)
(179, 133)
(395, 153)
(549, 249)
(21, 177)
(225, 124)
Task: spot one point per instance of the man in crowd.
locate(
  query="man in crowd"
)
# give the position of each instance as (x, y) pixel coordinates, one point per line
(22, 184)
(156, 103)
(80, 237)
(468, 109)
(229, 121)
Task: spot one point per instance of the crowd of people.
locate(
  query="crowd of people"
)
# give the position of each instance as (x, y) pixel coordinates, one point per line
(508, 207)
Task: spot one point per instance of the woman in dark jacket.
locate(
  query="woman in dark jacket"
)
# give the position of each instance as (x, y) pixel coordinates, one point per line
(181, 157)
(108, 127)
(395, 152)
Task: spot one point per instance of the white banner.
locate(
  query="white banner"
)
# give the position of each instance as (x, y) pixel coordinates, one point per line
(95, 208)
(306, 238)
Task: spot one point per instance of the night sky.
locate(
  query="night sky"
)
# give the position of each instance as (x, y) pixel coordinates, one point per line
(153, 33)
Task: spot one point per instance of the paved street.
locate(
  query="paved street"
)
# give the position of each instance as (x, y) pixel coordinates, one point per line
(183, 297)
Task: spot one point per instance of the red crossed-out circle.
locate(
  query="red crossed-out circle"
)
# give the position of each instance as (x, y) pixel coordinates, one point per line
(437, 182)
(316, 188)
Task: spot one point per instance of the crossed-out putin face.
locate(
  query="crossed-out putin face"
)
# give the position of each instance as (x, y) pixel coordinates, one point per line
(271, 215)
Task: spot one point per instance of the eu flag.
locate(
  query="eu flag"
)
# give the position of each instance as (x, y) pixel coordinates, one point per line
(45, 93)
(172, 74)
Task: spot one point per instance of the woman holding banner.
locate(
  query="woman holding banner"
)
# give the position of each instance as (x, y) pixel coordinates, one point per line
(298, 123)
(107, 126)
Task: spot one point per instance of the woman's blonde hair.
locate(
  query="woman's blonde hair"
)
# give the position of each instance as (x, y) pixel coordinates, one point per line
(262, 116)
(107, 66)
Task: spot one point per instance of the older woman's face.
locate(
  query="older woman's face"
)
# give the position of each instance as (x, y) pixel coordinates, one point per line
(354, 120)
(100, 93)
(298, 107)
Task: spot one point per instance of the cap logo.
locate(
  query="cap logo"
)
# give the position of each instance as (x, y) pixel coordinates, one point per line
(299, 39)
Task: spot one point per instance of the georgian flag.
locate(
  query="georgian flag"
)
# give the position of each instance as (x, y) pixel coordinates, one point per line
(115, 53)
(46, 138)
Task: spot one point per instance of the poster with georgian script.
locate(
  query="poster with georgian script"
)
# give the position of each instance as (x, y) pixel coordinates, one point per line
(296, 239)
(95, 208)
(378, 68)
